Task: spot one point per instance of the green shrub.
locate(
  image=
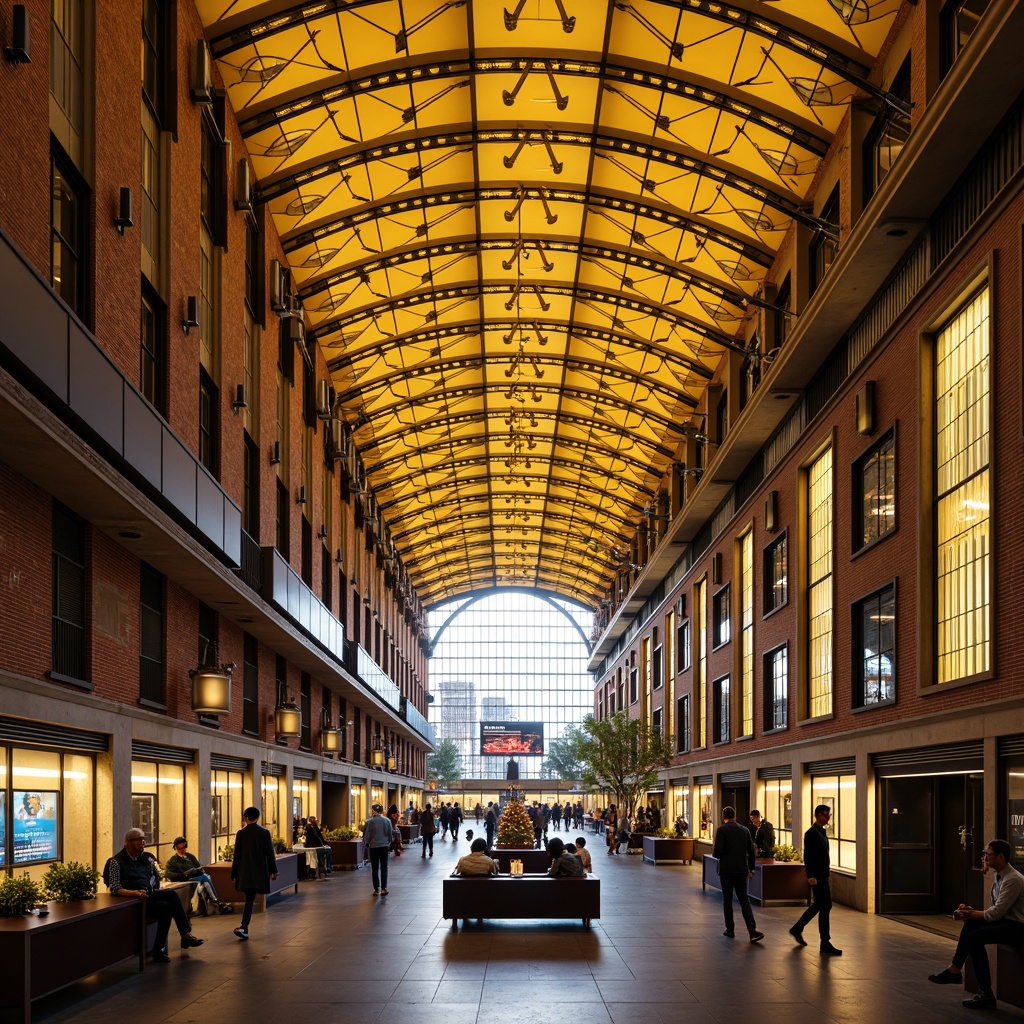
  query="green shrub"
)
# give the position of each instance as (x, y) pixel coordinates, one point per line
(71, 882)
(343, 832)
(280, 846)
(226, 852)
(666, 833)
(18, 895)
(786, 852)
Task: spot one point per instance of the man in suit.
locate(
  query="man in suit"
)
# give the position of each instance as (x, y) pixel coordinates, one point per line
(735, 852)
(817, 864)
(254, 864)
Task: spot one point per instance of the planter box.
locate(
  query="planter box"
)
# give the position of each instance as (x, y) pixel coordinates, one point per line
(534, 861)
(43, 954)
(659, 850)
(346, 854)
(775, 882)
(287, 878)
(410, 834)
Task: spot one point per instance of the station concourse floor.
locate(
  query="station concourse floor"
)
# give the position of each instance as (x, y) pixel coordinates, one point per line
(336, 953)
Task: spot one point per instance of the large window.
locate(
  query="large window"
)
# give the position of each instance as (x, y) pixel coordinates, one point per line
(700, 670)
(158, 805)
(153, 352)
(704, 811)
(68, 598)
(776, 575)
(959, 20)
(840, 793)
(683, 646)
(67, 55)
(746, 618)
(722, 726)
(776, 689)
(819, 585)
(683, 727)
(508, 657)
(825, 246)
(874, 631)
(874, 482)
(151, 636)
(228, 799)
(250, 685)
(722, 621)
(52, 814)
(963, 556)
(68, 245)
(208, 426)
(776, 804)
(889, 135)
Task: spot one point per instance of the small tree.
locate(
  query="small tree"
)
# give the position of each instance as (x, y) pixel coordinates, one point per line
(561, 762)
(623, 754)
(515, 828)
(443, 765)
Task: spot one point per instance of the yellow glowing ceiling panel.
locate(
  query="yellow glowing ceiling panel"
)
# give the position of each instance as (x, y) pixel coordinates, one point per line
(525, 235)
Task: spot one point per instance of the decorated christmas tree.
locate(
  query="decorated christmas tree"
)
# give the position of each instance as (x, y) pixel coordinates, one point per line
(515, 828)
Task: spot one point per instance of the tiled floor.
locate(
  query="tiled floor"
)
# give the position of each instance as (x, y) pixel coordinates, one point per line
(335, 953)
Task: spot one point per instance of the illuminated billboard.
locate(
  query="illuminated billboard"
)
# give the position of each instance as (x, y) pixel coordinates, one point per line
(511, 738)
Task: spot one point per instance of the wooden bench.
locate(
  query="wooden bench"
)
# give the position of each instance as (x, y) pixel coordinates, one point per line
(43, 954)
(527, 897)
(1008, 985)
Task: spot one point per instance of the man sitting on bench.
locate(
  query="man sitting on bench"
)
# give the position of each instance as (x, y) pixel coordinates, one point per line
(133, 872)
(476, 862)
(1002, 922)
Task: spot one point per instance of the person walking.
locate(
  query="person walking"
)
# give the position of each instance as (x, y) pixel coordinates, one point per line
(427, 830)
(762, 831)
(490, 823)
(377, 838)
(817, 864)
(454, 821)
(254, 865)
(567, 815)
(735, 851)
(443, 814)
(611, 824)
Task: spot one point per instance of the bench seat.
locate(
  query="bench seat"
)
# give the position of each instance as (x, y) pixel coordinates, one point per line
(526, 897)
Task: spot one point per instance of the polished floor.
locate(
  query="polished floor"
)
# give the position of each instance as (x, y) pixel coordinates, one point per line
(335, 953)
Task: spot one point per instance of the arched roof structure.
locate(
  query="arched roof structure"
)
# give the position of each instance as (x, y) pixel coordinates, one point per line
(525, 237)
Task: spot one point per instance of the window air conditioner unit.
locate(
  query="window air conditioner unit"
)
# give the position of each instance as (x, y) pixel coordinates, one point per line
(243, 187)
(323, 399)
(201, 89)
(296, 330)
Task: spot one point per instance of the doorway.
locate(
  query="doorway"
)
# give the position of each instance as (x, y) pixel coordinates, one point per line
(931, 842)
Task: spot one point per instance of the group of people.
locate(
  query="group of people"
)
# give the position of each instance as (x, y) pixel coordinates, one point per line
(134, 873)
(568, 860)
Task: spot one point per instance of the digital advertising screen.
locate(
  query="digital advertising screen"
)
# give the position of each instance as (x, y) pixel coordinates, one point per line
(34, 814)
(511, 738)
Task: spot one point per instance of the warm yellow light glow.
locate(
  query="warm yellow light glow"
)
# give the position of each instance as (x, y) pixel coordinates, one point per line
(152, 781)
(40, 773)
(222, 787)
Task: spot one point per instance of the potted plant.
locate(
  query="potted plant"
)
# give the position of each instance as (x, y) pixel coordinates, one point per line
(18, 895)
(665, 847)
(280, 846)
(71, 882)
(786, 853)
(226, 853)
(346, 843)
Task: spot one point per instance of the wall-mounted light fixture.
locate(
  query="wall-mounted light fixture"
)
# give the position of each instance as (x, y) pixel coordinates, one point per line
(191, 314)
(366, 597)
(716, 567)
(866, 408)
(337, 556)
(377, 754)
(301, 499)
(124, 211)
(239, 402)
(211, 686)
(287, 716)
(275, 455)
(771, 511)
(330, 737)
(18, 51)
(323, 531)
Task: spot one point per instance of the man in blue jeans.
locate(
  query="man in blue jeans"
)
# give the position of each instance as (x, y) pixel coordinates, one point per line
(1002, 922)
(377, 837)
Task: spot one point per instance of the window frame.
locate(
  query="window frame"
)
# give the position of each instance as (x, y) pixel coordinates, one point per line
(721, 700)
(770, 587)
(771, 698)
(71, 238)
(721, 617)
(860, 517)
(152, 626)
(858, 647)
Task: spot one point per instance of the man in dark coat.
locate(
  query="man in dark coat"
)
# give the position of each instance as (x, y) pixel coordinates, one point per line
(254, 864)
(762, 831)
(735, 852)
(817, 864)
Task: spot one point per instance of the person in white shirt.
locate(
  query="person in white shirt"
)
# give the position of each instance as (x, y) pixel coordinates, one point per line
(1001, 922)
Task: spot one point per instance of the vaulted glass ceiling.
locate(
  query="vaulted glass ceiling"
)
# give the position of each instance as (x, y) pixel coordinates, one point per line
(526, 236)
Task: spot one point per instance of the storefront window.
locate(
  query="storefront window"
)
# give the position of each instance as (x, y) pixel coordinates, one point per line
(300, 800)
(776, 804)
(1015, 811)
(840, 793)
(228, 800)
(158, 805)
(359, 808)
(704, 812)
(47, 810)
(681, 806)
(273, 793)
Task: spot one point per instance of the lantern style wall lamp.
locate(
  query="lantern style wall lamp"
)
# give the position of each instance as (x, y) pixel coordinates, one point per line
(330, 737)
(211, 686)
(287, 716)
